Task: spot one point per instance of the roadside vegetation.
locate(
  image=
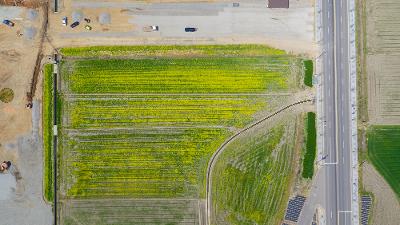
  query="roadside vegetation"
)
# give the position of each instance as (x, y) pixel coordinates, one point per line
(308, 72)
(48, 132)
(384, 152)
(251, 178)
(311, 147)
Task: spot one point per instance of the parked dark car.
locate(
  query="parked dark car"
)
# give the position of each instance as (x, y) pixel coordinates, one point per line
(8, 23)
(74, 24)
(190, 29)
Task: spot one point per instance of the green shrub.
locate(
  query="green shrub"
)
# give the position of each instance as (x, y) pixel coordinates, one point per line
(311, 143)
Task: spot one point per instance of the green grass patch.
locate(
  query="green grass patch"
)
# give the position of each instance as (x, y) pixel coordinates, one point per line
(384, 152)
(146, 127)
(311, 149)
(251, 178)
(308, 72)
(172, 51)
(48, 132)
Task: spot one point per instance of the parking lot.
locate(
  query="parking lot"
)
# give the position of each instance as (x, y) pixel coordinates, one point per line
(217, 22)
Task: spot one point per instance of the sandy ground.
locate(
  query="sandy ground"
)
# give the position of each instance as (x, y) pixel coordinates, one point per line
(20, 139)
(17, 57)
(218, 23)
(386, 206)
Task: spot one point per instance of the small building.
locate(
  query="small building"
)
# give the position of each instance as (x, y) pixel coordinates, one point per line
(273, 4)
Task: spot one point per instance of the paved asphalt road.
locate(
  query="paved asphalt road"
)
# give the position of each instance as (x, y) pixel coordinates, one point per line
(336, 88)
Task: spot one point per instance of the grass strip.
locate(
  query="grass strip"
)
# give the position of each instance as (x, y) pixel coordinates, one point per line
(308, 72)
(47, 132)
(309, 156)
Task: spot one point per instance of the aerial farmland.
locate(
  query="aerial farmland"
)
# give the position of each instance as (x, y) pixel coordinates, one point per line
(194, 122)
(379, 104)
(139, 125)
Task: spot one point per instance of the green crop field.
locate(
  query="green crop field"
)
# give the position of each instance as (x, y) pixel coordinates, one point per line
(141, 122)
(48, 132)
(251, 177)
(311, 147)
(384, 152)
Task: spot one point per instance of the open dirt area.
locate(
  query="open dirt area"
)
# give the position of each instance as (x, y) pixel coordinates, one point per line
(383, 60)
(386, 207)
(218, 22)
(20, 139)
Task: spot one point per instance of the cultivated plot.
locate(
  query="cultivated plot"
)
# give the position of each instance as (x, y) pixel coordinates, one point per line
(383, 60)
(251, 178)
(143, 123)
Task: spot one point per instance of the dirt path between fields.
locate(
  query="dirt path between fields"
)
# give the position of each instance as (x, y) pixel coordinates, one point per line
(386, 206)
(220, 150)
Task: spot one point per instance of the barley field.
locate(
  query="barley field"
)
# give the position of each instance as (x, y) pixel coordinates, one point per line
(143, 122)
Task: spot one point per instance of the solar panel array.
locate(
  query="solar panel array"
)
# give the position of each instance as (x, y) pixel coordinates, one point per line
(366, 202)
(294, 208)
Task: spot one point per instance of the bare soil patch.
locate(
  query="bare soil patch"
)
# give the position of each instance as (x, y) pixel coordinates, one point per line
(386, 207)
(383, 60)
(17, 57)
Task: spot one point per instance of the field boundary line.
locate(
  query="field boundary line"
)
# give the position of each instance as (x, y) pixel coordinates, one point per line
(179, 94)
(219, 151)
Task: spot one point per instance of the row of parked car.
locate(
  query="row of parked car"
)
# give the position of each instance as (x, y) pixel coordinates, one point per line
(152, 28)
(155, 28)
(76, 23)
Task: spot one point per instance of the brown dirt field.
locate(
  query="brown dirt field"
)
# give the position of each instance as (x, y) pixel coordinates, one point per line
(17, 57)
(382, 61)
(386, 206)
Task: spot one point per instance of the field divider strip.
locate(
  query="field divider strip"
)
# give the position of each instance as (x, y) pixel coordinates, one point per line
(219, 151)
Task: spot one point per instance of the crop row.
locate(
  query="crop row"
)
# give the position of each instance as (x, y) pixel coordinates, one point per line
(179, 111)
(172, 51)
(47, 132)
(197, 75)
(250, 180)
